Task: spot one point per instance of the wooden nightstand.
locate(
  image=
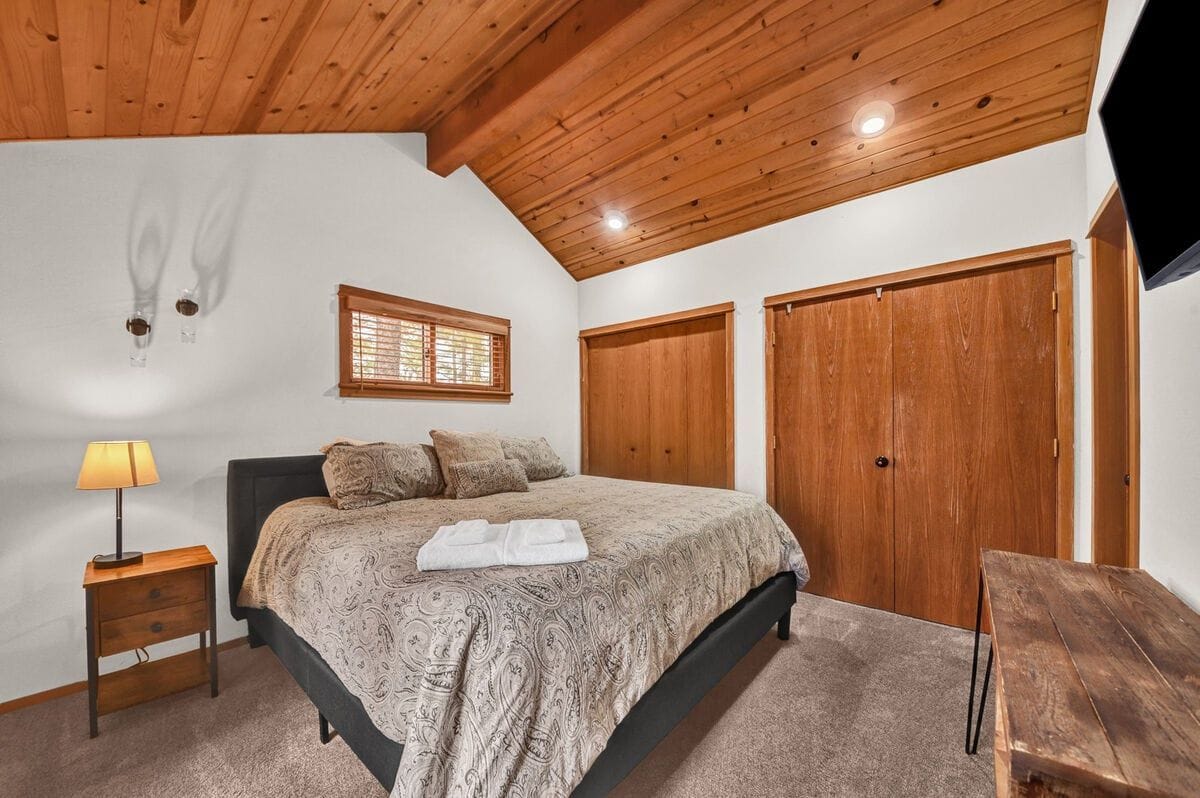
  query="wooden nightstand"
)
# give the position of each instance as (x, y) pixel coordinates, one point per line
(169, 594)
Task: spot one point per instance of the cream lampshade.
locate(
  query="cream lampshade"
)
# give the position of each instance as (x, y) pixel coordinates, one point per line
(116, 465)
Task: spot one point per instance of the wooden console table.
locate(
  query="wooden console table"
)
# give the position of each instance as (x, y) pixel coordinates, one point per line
(1097, 680)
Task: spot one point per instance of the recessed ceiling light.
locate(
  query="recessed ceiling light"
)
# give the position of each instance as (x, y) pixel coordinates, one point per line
(874, 118)
(615, 220)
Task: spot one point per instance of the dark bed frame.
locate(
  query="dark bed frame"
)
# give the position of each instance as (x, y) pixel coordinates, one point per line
(256, 487)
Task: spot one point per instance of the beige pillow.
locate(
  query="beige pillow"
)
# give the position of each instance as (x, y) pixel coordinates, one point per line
(374, 473)
(340, 439)
(463, 447)
(537, 455)
(486, 477)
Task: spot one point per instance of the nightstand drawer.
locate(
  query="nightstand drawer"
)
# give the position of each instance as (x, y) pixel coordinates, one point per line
(137, 631)
(121, 599)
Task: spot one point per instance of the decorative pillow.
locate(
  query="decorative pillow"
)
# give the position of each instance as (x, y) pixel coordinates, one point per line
(463, 447)
(374, 473)
(485, 477)
(340, 439)
(536, 454)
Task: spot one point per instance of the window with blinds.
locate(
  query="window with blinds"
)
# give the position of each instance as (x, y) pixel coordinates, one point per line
(395, 347)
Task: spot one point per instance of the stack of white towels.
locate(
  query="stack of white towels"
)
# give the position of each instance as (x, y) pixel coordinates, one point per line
(478, 544)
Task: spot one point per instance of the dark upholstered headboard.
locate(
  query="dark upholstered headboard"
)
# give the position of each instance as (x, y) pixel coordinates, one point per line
(255, 488)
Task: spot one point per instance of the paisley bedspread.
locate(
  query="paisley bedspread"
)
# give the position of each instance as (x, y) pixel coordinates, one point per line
(510, 680)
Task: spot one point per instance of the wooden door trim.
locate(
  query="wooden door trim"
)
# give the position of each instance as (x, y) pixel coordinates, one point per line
(1064, 388)
(1063, 255)
(658, 321)
(1109, 225)
(999, 260)
(1133, 373)
(725, 309)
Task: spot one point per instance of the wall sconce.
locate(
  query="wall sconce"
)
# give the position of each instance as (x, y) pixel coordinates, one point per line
(138, 325)
(187, 307)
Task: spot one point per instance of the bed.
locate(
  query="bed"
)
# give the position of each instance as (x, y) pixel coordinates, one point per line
(528, 681)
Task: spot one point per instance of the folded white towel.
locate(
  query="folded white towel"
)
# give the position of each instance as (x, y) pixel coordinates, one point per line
(466, 533)
(519, 551)
(439, 555)
(502, 544)
(540, 531)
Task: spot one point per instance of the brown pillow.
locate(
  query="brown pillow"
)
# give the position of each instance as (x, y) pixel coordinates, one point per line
(463, 447)
(537, 455)
(365, 475)
(485, 477)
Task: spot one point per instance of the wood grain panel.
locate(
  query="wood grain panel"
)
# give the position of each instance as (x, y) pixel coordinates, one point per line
(285, 47)
(618, 430)
(353, 54)
(924, 96)
(709, 390)
(308, 63)
(1096, 667)
(1110, 409)
(503, 35)
(176, 34)
(29, 45)
(148, 628)
(1017, 607)
(975, 409)
(970, 81)
(218, 35)
(832, 417)
(135, 596)
(262, 22)
(131, 26)
(922, 162)
(83, 38)
(405, 59)
(668, 402)
(657, 400)
(155, 679)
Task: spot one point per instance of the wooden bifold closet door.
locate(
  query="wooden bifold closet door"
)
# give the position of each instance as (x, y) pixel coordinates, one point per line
(657, 398)
(915, 419)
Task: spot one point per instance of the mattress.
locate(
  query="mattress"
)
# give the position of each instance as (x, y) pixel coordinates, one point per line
(510, 680)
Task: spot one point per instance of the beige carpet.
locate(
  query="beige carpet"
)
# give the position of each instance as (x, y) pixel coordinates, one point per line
(858, 703)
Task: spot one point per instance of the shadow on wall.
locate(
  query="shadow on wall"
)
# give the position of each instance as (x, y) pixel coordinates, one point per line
(216, 233)
(154, 226)
(151, 222)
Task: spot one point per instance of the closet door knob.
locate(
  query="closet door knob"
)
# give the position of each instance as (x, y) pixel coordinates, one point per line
(881, 461)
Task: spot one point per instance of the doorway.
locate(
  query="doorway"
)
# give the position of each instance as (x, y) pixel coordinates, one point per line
(1115, 423)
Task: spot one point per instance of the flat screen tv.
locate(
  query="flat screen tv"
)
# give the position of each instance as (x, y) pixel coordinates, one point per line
(1149, 118)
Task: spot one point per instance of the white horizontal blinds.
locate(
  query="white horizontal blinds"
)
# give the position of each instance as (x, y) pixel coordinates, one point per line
(463, 357)
(389, 349)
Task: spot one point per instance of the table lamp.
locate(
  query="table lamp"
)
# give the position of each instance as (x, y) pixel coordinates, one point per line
(116, 465)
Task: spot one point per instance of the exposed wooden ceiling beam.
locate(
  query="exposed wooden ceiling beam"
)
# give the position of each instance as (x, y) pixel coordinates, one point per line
(589, 36)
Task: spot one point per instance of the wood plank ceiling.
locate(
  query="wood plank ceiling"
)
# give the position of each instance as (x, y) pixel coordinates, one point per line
(698, 120)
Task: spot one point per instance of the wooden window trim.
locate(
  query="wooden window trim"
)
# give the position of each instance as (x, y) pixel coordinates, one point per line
(351, 298)
(1062, 255)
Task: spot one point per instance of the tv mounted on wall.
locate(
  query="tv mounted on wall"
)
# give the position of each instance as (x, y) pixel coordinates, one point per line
(1149, 117)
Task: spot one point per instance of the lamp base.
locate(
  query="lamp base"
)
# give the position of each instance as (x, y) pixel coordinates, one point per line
(114, 561)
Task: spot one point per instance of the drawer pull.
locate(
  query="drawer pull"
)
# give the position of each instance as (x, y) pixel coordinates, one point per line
(155, 593)
(156, 627)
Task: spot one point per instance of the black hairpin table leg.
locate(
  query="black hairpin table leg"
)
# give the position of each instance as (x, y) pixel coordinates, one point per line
(969, 745)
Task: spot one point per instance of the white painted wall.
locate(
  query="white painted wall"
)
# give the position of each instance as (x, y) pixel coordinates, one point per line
(282, 220)
(1033, 197)
(1170, 360)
